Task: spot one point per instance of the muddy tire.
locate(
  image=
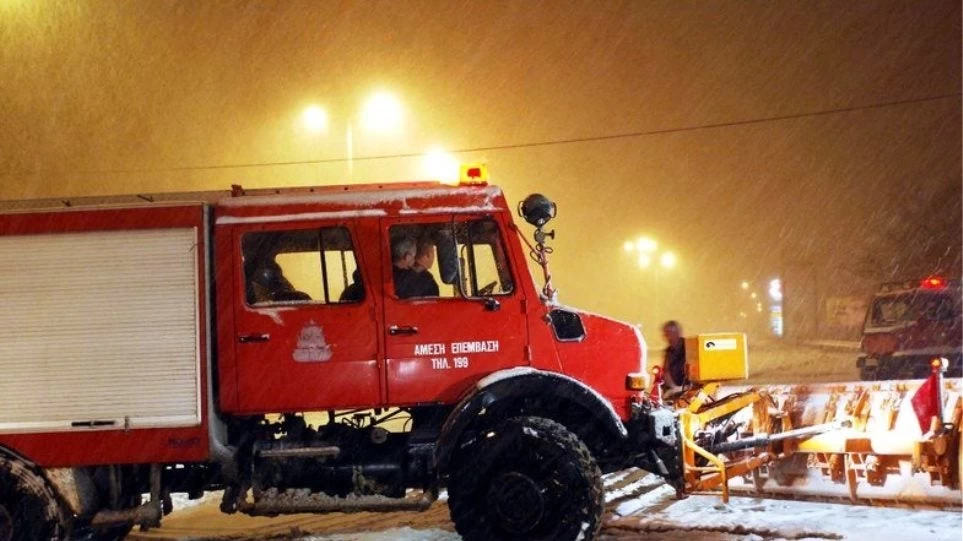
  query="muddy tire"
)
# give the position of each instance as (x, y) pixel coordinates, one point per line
(529, 478)
(29, 511)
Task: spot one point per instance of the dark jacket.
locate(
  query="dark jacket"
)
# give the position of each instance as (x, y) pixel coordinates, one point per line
(674, 363)
(411, 283)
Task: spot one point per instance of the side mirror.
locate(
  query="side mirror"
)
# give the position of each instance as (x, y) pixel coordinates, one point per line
(447, 258)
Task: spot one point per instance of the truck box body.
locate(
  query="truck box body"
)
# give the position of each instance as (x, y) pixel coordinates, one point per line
(102, 334)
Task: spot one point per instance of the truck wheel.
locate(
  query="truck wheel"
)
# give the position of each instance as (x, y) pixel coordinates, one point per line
(529, 478)
(29, 511)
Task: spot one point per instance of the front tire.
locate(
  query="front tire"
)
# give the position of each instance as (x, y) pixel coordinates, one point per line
(29, 511)
(529, 478)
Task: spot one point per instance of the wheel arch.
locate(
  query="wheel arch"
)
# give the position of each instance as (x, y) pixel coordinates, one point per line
(8, 452)
(530, 391)
(73, 487)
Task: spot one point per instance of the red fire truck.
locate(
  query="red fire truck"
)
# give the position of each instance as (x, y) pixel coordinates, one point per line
(908, 324)
(260, 342)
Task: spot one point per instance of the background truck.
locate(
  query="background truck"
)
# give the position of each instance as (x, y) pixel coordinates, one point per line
(910, 323)
(254, 342)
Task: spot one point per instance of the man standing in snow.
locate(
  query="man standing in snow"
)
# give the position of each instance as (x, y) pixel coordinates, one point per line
(673, 361)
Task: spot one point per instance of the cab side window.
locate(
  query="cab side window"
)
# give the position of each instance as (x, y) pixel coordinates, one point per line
(446, 259)
(302, 266)
(482, 256)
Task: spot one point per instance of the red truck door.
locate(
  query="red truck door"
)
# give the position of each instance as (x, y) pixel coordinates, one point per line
(463, 320)
(306, 326)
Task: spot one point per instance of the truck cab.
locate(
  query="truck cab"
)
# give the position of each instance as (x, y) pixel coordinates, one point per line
(908, 324)
(338, 309)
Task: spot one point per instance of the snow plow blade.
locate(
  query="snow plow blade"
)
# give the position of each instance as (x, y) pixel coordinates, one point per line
(890, 442)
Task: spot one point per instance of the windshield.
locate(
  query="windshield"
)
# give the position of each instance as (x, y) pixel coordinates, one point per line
(908, 307)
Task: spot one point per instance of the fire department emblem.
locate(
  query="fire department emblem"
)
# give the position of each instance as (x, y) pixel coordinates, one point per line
(312, 347)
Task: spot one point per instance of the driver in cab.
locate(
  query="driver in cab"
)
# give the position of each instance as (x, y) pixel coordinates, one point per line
(410, 263)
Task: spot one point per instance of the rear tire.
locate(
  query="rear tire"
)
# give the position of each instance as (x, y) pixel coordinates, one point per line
(529, 478)
(29, 511)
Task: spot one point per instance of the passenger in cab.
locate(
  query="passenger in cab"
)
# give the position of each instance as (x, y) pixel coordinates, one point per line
(411, 260)
(403, 251)
(425, 284)
(267, 283)
(355, 291)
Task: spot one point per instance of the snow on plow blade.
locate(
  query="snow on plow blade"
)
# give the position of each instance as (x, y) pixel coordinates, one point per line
(863, 442)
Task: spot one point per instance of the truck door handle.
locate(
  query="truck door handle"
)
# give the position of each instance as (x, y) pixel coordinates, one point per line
(249, 338)
(395, 330)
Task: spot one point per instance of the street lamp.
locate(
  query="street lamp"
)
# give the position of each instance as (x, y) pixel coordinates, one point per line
(646, 244)
(654, 260)
(667, 260)
(442, 166)
(315, 119)
(648, 253)
(382, 114)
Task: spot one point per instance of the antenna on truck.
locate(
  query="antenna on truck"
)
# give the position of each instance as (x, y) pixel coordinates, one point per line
(538, 210)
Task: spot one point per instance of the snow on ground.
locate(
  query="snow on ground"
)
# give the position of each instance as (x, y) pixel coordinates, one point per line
(657, 516)
(181, 501)
(774, 362)
(393, 534)
(706, 517)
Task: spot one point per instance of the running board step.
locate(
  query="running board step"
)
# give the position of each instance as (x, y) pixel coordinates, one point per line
(271, 503)
(300, 452)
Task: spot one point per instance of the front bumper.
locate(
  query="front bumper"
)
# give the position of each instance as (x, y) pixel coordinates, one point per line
(654, 443)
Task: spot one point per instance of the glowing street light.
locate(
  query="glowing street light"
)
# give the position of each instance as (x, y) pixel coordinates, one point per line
(382, 113)
(667, 260)
(442, 166)
(744, 285)
(315, 119)
(646, 244)
(647, 249)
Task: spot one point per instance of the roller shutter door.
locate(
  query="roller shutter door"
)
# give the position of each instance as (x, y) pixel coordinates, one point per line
(99, 328)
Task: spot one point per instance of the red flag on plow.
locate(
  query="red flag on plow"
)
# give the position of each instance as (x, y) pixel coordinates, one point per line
(926, 401)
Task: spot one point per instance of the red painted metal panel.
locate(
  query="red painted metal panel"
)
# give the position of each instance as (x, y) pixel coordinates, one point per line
(610, 351)
(435, 365)
(270, 376)
(62, 449)
(224, 322)
(92, 447)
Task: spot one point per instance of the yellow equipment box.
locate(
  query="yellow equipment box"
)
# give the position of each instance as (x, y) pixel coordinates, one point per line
(717, 357)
